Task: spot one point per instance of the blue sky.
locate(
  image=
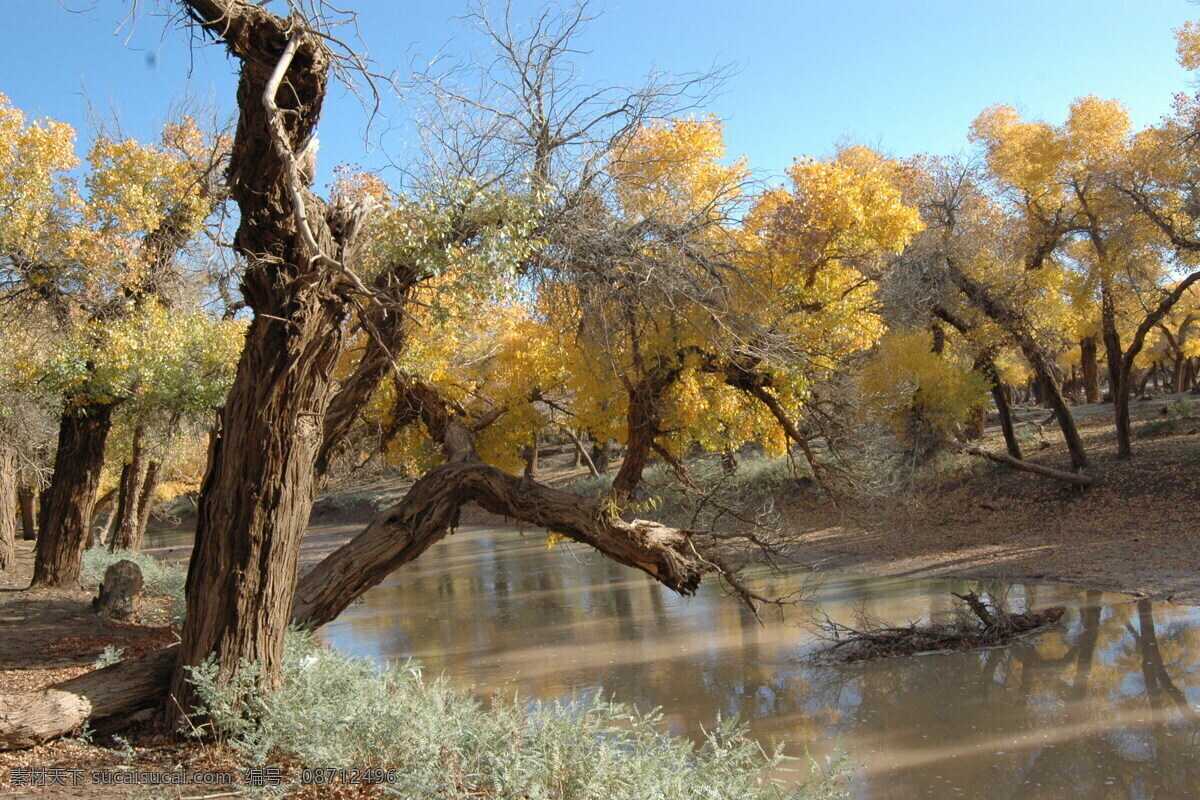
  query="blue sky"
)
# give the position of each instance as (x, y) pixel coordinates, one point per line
(906, 76)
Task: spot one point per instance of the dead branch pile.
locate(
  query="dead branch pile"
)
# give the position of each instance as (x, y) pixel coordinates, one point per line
(984, 626)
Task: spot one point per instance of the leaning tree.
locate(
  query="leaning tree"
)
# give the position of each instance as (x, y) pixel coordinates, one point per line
(318, 272)
(286, 417)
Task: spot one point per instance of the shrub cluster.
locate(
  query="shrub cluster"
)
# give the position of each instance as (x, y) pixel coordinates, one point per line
(1175, 416)
(332, 710)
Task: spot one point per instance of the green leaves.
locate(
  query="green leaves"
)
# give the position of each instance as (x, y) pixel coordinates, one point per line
(153, 357)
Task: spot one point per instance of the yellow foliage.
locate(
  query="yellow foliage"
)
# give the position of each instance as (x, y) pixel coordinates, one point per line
(672, 170)
(151, 357)
(1187, 45)
(810, 250)
(35, 192)
(915, 389)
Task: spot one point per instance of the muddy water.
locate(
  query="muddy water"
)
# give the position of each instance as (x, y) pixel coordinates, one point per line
(1104, 706)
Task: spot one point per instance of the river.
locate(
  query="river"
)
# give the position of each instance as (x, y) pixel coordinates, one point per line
(1105, 705)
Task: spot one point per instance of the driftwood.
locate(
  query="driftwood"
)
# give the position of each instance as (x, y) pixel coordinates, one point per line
(985, 627)
(1073, 478)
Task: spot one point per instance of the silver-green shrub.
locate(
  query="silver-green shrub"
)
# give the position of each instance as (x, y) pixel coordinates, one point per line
(332, 710)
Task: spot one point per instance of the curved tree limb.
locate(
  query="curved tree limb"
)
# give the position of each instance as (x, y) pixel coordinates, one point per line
(430, 510)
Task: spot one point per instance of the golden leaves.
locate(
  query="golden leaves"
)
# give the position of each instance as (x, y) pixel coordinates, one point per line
(35, 193)
(1187, 45)
(672, 170)
(1042, 160)
(811, 251)
(91, 235)
(154, 357)
(907, 383)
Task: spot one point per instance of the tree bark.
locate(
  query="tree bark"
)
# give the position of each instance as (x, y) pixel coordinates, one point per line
(977, 422)
(1090, 369)
(145, 501)
(1004, 412)
(261, 479)
(127, 503)
(258, 493)
(108, 528)
(67, 503)
(8, 505)
(28, 518)
(120, 591)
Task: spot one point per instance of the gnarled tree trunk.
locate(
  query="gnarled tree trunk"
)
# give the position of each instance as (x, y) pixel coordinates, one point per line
(261, 478)
(67, 503)
(531, 458)
(258, 493)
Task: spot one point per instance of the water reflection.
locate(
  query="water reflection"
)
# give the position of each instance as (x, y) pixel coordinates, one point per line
(1104, 706)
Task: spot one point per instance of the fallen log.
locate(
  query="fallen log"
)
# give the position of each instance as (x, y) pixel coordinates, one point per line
(106, 699)
(1073, 478)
